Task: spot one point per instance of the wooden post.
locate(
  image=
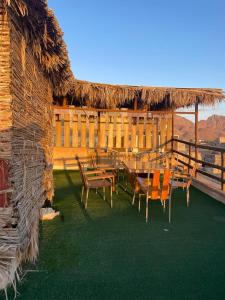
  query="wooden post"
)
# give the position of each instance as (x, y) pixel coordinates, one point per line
(135, 103)
(222, 172)
(189, 157)
(196, 131)
(99, 130)
(172, 131)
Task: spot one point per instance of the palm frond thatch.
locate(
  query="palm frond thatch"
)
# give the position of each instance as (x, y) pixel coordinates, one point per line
(43, 33)
(111, 96)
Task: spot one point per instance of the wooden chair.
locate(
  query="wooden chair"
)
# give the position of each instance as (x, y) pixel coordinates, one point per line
(107, 167)
(132, 179)
(183, 180)
(95, 180)
(154, 190)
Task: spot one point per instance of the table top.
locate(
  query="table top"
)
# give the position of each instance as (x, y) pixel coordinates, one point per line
(139, 166)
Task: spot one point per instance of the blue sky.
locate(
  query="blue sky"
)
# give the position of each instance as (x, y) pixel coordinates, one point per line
(147, 42)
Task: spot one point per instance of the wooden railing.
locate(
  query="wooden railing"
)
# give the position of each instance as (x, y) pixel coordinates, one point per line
(190, 159)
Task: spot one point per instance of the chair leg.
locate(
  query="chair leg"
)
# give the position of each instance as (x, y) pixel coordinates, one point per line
(87, 193)
(164, 206)
(133, 198)
(139, 202)
(104, 193)
(82, 194)
(188, 197)
(170, 205)
(111, 199)
(146, 212)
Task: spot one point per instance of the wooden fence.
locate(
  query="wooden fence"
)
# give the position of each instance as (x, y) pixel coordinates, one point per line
(91, 129)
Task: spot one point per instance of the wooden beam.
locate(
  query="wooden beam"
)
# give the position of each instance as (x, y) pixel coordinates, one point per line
(172, 131)
(196, 130)
(222, 172)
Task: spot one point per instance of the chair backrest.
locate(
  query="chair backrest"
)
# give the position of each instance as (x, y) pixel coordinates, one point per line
(83, 177)
(165, 189)
(132, 179)
(155, 186)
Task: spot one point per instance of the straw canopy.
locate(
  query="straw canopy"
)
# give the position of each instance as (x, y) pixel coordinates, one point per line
(111, 96)
(42, 32)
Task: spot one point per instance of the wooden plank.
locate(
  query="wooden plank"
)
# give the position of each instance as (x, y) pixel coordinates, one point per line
(102, 134)
(163, 131)
(83, 131)
(130, 131)
(219, 149)
(67, 130)
(134, 133)
(118, 131)
(126, 132)
(58, 131)
(114, 129)
(91, 131)
(110, 136)
(222, 172)
(141, 133)
(149, 134)
(58, 109)
(154, 133)
(107, 130)
(75, 131)
(169, 129)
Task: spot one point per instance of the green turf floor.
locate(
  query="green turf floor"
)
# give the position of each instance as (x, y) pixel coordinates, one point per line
(105, 253)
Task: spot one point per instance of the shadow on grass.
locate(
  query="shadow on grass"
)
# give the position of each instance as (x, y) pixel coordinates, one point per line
(77, 196)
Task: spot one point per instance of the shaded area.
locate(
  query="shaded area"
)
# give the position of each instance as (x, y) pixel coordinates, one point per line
(113, 254)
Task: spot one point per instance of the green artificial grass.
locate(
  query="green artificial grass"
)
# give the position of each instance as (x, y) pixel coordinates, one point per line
(105, 253)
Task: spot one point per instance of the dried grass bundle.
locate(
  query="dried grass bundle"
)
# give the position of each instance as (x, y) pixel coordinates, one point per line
(111, 96)
(43, 32)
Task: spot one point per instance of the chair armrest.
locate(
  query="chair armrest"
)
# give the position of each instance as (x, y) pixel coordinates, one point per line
(93, 172)
(101, 177)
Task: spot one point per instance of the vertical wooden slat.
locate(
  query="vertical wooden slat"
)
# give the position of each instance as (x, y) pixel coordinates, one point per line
(102, 131)
(130, 131)
(114, 129)
(133, 133)
(149, 134)
(118, 131)
(126, 132)
(91, 131)
(83, 130)
(66, 130)
(110, 137)
(154, 133)
(162, 129)
(75, 131)
(169, 129)
(122, 130)
(58, 128)
(172, 128)
(107, 130)
(141, 133)
(79, 129)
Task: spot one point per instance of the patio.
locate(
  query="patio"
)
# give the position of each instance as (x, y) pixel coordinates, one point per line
(105, 253)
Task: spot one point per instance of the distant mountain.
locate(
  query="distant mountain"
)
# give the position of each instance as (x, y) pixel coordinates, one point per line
(208, 130)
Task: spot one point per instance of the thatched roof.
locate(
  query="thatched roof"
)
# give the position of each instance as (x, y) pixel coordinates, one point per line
(42, 32)
(111, 96)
